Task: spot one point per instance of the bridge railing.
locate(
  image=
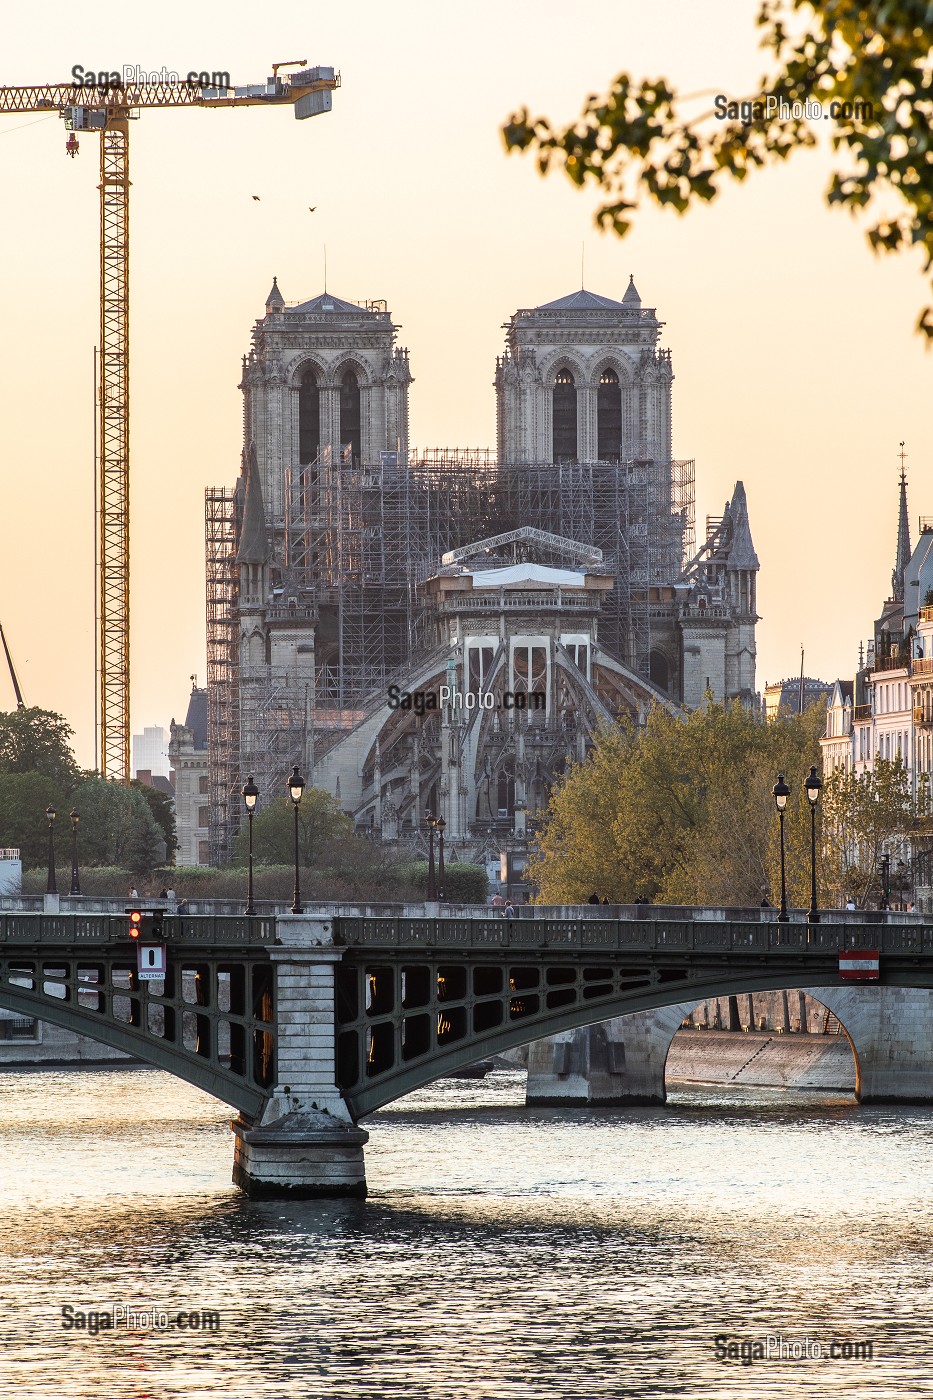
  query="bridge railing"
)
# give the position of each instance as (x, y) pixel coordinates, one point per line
(621, 935)
(97, 929)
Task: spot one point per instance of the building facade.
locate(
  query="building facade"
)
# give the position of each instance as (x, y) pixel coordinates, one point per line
(345, 568)
(188, 754)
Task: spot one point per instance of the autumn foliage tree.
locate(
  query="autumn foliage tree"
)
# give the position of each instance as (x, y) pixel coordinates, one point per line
(681, 811)
(863, 814)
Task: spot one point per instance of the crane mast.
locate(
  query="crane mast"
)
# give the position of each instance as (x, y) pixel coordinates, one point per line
(107, 110)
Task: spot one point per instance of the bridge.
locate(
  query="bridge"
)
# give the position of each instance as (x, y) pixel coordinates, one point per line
(306, 1023)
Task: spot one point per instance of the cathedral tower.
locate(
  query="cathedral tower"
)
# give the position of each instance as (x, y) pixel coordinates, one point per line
(582, 380)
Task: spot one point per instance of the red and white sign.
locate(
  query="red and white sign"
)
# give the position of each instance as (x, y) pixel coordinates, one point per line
(859, 966)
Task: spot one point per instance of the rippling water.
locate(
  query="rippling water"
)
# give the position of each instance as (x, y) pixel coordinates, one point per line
(503, 1252)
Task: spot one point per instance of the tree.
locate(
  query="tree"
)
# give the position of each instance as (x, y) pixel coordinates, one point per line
(320, 823)
(116, 826)
(679, 812)
(870, 62)
(862, 813)
(162, 808)
(37, 741)
(24, 798)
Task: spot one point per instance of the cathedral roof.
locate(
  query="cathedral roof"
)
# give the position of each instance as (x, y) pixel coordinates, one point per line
(196, 718)
(582, 301)
(254, 542)
(527, 573)
(631, 297)
(741, 550)
(328, 302)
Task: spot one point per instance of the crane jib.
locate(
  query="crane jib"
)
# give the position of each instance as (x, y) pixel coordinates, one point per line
(59, 97)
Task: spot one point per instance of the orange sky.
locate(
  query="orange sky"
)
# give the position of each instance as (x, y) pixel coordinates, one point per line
(795, 360)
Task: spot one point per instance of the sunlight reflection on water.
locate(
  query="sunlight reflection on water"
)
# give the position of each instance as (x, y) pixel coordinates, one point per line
(503, 1252)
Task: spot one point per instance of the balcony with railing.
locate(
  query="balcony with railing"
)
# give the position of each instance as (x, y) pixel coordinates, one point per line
(922, 666)
(860, 713)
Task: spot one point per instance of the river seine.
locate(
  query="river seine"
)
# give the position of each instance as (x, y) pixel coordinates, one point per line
(503, 1253)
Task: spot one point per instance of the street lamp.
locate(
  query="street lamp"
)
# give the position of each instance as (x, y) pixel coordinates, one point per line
(75, 882)
(781, 792)
(250, 795)
(885, 902)
(50, 885)
(441, 826)
(432, 878)
(296, 784)
(812, 787)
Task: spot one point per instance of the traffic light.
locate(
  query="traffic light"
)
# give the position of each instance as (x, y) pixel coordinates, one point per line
(146, 924)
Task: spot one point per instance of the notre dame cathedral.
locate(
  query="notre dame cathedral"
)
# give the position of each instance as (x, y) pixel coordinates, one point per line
(534, 592)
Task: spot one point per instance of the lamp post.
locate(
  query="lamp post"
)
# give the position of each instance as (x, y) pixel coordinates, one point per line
(250, 795)
(885, 901)
(50, 885)
(432, 878)
(812, 787)
(75, 881)
(781, 792)
(296, 784)
(441, 891)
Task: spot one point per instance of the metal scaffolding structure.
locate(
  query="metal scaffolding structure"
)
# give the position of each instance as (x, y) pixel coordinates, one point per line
(353, 545)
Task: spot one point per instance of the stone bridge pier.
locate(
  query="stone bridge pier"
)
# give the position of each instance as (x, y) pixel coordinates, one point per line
(618, 1063)
(621, 1062)
(305, 1143)
(891, 1033)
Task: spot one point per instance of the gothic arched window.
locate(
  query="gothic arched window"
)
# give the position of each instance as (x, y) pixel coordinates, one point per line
(609, 417)
(350, 435)
(309, 417)
(565, 417)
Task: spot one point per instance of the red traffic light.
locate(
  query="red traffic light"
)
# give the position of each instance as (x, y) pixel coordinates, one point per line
(136, 922)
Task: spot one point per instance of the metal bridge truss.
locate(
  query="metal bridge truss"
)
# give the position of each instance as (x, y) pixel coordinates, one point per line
(419, 998)
(210, 1020)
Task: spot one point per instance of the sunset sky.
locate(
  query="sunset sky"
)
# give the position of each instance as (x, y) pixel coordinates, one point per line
(796, 364)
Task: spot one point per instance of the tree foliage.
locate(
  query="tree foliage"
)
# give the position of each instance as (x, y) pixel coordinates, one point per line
(863, 814)
(636, 141)
(24, 798)
(681, 811)
(116, 826)
(320, 824)
(37, 741)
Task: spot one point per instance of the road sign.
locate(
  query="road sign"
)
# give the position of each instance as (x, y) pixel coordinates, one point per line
(860, 966)
(150, 961)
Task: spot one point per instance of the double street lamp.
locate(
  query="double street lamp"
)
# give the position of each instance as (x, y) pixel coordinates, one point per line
(250, 795)
(432, 876)
(296, 785)
(812, 787)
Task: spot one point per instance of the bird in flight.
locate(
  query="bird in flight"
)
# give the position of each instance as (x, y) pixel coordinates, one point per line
(256, 197)
(311, 208)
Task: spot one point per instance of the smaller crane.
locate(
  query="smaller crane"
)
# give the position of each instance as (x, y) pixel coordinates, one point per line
(20, 702)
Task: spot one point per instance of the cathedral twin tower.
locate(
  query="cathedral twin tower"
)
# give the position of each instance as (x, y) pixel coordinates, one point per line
(341, 561)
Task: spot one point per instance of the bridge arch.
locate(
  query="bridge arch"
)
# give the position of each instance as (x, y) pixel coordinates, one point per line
(380, 1057)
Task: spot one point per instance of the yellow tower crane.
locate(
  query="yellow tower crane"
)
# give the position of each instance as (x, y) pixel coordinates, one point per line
(107, 108)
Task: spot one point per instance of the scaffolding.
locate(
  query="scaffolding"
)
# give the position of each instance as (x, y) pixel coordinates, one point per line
(220, 532)
(353, 545)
